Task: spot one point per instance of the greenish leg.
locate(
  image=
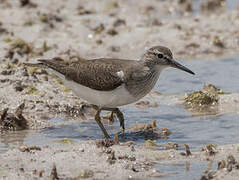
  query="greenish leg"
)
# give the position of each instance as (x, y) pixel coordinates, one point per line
(97, 119)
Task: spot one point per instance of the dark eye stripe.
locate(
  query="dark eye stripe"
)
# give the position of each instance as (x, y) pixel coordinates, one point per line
(167, 58)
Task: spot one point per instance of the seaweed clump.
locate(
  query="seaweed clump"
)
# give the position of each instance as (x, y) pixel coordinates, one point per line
(50, 19)
(21, 47)
(228, 165)
(205, 100)
(210, 6)
(201, 98)
(149, 131)
(210, 149)
(13, 121)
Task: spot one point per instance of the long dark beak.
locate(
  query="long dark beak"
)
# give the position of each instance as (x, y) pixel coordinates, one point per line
(177, 65)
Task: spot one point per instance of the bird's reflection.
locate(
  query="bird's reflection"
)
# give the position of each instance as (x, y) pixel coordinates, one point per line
(12, 138)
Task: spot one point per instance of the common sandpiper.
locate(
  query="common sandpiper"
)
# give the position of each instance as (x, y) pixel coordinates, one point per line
(109, 83)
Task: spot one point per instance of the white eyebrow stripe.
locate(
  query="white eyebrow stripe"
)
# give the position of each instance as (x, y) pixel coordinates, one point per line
(120, 74)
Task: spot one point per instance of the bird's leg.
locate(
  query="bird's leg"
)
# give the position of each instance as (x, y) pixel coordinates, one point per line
(97, 119)
(120, 117)
(111, 118)
(119, 114)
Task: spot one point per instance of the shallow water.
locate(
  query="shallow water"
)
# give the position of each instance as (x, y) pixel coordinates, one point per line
(229, 5)
(188, 170)
(196, 131)
(222, 73)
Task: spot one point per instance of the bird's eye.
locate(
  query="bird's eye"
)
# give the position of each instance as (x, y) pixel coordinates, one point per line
(159, 55)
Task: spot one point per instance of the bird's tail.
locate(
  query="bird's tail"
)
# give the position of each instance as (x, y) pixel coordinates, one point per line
(40, 65)
(56, 64)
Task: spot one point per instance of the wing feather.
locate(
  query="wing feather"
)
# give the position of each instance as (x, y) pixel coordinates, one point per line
(99, 74)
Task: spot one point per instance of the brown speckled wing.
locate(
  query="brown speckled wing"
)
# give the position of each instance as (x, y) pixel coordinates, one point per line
(98, 74)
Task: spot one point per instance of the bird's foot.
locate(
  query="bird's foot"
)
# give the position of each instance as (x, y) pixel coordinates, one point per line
(119, 115)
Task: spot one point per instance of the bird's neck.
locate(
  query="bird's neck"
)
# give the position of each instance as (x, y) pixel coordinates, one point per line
(139, 87)
(159, 68)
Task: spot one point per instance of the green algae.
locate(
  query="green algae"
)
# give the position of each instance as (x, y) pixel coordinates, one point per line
(65, 141)
(201, 100)
(31, 90)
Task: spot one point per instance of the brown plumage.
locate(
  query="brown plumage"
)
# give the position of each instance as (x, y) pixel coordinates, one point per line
(98, 74)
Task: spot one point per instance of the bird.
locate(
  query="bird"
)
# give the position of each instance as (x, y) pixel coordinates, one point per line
(108, 83)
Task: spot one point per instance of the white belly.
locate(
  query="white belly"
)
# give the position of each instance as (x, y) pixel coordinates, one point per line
(117, 97)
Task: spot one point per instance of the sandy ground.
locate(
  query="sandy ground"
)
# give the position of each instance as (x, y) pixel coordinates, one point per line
(81, 160)
(88, 29)
(120, 29)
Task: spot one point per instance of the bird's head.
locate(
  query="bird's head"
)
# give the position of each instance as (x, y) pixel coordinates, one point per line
(162, 57)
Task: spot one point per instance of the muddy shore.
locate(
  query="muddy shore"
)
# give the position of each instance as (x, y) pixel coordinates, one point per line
(35, 29)
(81, 160)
